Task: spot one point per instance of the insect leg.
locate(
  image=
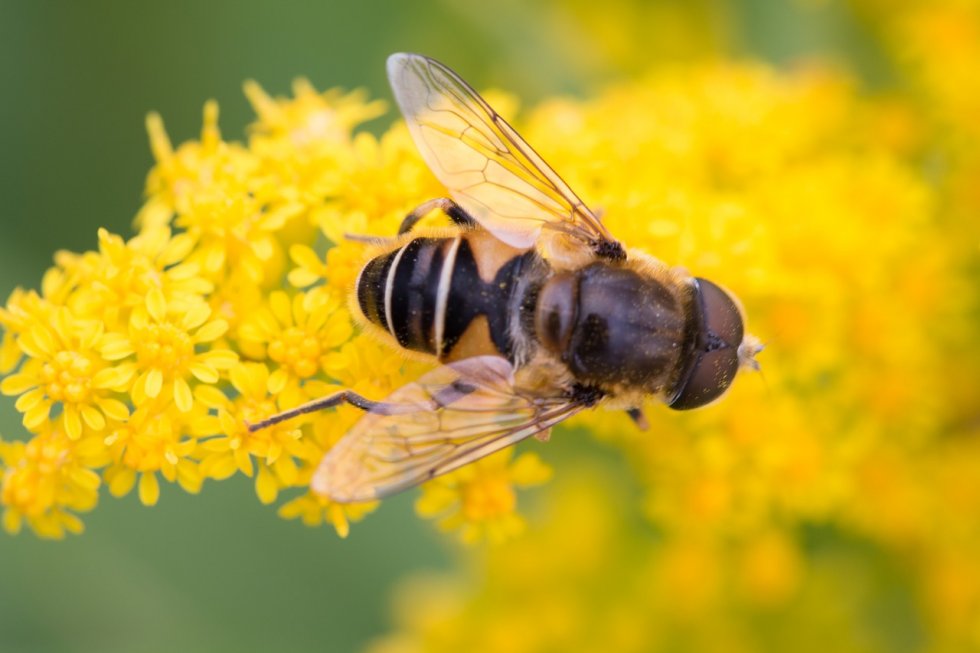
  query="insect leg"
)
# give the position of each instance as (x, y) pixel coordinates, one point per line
(636, 414)
(331, 401)
(444, 204)
(371, 240)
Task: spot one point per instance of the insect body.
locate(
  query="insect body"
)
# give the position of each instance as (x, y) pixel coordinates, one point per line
(533, 309)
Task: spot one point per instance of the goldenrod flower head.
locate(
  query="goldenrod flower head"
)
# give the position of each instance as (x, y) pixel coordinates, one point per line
(117, 279)
(66, 369)
(293, 337)
(164, 341)
(48, 480)
(480, 499)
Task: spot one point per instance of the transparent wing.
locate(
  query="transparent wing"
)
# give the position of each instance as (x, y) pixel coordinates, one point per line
(451, 416)
(487, 167)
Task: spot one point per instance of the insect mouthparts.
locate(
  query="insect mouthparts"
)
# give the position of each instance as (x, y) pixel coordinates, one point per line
(747, 352)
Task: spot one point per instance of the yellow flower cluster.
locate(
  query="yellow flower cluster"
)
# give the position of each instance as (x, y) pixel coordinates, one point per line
(145, 359)
(775, 517)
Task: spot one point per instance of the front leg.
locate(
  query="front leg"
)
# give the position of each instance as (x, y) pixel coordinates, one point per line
(636, 414)
(331, 401)
(444, 204)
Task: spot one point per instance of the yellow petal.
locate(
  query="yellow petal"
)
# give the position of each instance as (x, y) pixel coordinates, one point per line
(85, 478)
(73, 422)
(36, 416)
(241, 380)
(305, 257)
(154, 383)
(223, 467)
(12, 521)
(265, 486)
(210, 396)
(30, 400)
(275, 449)
(156, 305)
(159, 141)
(244, 462)
(286, 470)
(40, 342)
(138, 391)
(183, 396)
(113, 409)
(267, 109)
(72, 523)
(292, 509)
(214, 259)
(94, 418)
(149, 490)
(189, 477)
(221, 359)
(435, 500)
(278, 381)
(339, 520)
(116, 347)
(169, 468)
(263, 248)
(121, 481)
(15, 384)
(195, 316)
(114, 378)
(301, 278)
(281, 309)
(177, 249)
(528, 469)
(211, 331)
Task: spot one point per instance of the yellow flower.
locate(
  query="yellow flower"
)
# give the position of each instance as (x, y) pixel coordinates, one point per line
(49, 479)
(108, 284)
(165, 339)
(275, 448)
(65, 369)
(480, 498)
(195, 167)
(294, 337)
(304, 142)
(23, 309)
(309, 118)
(219, 196)
(156, 438)
(311, 508)
(314, 510)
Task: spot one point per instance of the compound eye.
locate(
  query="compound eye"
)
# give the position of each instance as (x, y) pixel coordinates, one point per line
(715, 350)
(712, 373)
(721, 315)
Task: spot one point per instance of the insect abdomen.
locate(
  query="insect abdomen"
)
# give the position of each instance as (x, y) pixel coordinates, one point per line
(429, 292)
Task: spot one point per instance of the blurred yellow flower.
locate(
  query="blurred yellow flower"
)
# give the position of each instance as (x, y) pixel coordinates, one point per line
(480, 499)
(49, 479)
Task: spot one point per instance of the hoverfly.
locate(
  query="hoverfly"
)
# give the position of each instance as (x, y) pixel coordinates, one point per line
(533, 309)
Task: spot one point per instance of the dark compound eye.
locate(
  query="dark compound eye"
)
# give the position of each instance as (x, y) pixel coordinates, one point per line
(714, 357)
(721, 316)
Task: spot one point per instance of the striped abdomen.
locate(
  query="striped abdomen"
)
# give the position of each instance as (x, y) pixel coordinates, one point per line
(432, 293)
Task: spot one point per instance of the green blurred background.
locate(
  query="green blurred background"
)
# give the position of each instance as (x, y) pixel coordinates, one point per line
(219, 571)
